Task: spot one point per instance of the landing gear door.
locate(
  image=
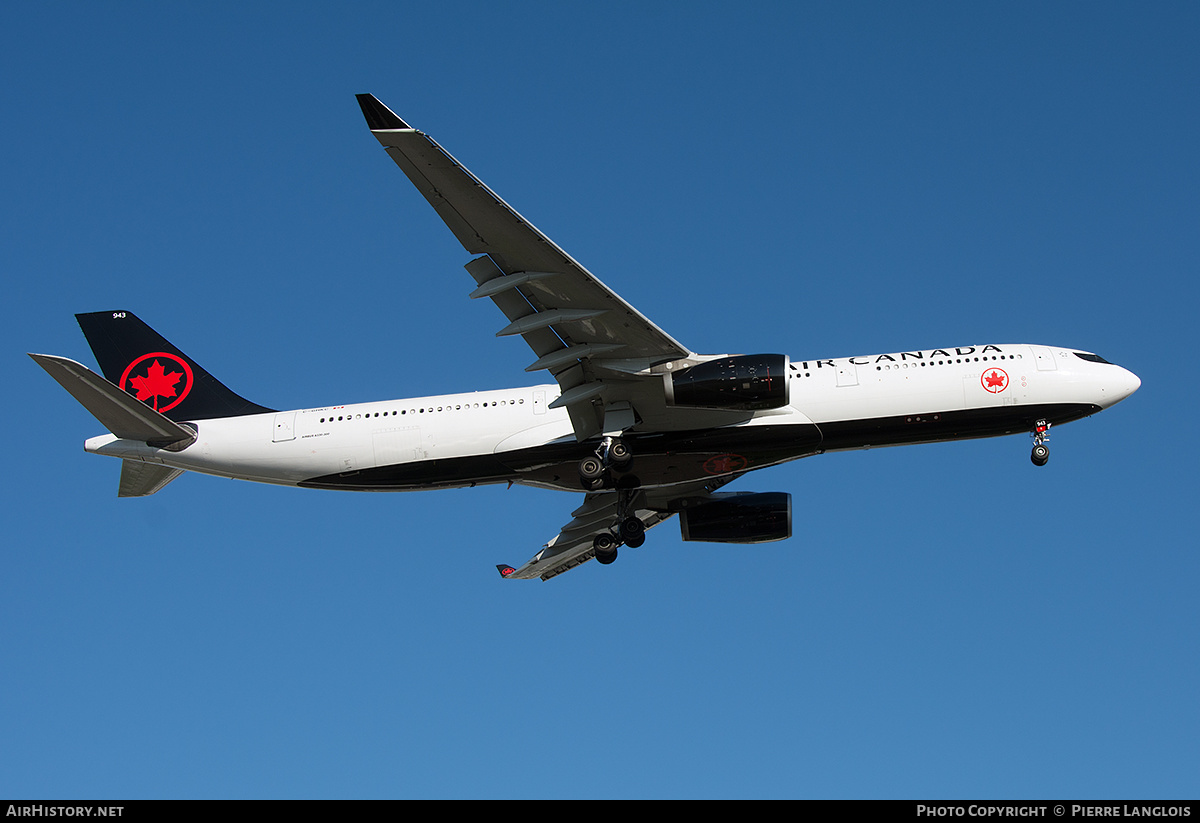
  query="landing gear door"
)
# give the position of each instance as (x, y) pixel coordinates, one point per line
(1044, 358)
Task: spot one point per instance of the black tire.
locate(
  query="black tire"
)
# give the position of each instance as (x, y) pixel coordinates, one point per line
(605, 546)
(1040, 455)
(590, 468)
(633, 531)
(619, 455)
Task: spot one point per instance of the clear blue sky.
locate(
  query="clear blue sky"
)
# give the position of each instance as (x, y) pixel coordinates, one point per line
(818, 179)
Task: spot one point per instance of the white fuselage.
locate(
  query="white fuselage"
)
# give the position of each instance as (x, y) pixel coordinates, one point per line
(513, 435)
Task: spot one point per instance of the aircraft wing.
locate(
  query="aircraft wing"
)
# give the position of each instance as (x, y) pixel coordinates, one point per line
(572, 546)
(576, 326)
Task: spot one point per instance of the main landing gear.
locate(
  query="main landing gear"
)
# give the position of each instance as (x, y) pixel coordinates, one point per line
(1041, 452)
(629, 530)
(605, 546)
(594, 470)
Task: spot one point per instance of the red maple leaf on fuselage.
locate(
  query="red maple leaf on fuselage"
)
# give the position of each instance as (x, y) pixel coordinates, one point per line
(994, 379)
(157, 383)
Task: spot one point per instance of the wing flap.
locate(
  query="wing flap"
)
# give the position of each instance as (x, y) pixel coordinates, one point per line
(512, 304)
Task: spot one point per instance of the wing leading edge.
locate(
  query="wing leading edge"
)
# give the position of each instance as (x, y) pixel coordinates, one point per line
(593, 342)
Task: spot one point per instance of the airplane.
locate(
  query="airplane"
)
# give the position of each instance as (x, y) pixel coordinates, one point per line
(646, 428)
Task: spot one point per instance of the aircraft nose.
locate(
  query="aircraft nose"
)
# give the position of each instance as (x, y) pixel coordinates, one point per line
(1132, 383)
(1123, 385)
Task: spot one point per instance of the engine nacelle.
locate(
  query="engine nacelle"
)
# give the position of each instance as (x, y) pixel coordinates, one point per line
(738, 517)
(744, 382)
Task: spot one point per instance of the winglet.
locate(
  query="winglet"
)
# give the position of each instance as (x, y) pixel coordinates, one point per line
(379, 117)
(504, 569)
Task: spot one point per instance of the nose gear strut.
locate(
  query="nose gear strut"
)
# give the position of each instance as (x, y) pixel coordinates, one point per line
(1040, 434)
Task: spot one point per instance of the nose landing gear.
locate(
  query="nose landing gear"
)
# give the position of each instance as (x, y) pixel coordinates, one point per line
(1041, 452)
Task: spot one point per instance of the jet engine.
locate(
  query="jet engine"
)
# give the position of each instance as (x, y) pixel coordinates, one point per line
(738, 517)
(744, 382)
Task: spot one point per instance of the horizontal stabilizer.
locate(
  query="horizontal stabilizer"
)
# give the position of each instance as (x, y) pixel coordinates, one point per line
(140, 479)
(120, 413)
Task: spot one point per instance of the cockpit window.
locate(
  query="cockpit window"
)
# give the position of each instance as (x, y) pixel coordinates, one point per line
(1091, 358)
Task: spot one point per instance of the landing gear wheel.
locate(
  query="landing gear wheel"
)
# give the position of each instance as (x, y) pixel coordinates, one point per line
(591, 467)
(591, 473)
(605, 546)
(619, 455)
(633, 532)
(1040, 434)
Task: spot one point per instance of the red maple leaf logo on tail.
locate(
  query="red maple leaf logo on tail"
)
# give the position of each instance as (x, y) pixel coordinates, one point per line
(157, 383)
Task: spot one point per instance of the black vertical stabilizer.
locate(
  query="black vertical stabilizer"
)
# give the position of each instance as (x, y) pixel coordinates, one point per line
(141, 362)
